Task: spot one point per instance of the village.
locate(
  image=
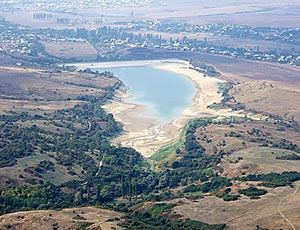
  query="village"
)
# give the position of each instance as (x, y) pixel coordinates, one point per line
(20, 41)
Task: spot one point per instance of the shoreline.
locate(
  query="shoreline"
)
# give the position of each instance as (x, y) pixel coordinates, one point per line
(149, 135)
(112, 64)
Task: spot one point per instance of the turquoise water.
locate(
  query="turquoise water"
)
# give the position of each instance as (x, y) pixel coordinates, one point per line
(166, 94)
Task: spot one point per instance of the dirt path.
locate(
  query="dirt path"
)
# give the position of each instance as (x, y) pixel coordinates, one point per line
(280, 211)
(99, 167)
(89, 126)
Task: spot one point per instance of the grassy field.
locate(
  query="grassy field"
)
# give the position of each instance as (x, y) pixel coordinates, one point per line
(269, 96)
(244, 139)
(268, 212)
(59, 176)
(39, 85)
(258, 160)
(239, 70)
(73, 218)
(68, 50)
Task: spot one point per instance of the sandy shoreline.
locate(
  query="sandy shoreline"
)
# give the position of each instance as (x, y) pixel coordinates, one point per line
(148, 135)
(85, 65)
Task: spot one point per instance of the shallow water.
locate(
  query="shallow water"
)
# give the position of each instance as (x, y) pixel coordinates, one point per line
(166, 94)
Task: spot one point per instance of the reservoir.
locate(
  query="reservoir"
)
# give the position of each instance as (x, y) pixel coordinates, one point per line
(166, 94)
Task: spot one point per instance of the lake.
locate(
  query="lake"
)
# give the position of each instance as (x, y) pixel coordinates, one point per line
(166, 94)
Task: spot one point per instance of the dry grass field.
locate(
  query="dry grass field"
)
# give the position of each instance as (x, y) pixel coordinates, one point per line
(257, 160)
(11, 175)
(239, 70)
(39, 89)
(72, 218)
(271, 97)
(279, 209)
(249, 146)
(253, 13)
(71, 50)
(243, 135)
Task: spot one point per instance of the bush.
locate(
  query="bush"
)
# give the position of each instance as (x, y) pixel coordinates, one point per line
(252, 191)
